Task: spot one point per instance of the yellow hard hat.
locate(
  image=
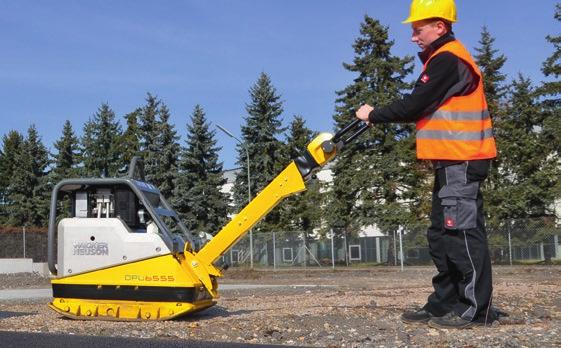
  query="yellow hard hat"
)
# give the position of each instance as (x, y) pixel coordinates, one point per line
(425, 9)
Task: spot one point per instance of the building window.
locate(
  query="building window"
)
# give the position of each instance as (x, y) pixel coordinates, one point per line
(235, 256)
(287, 255)
(413, 254)
(354, 252)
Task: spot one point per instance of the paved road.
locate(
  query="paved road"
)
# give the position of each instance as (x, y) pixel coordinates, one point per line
(27, 339)
(17, 294)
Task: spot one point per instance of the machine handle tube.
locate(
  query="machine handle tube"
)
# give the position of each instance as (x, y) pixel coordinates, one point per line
(345, 129)
(363, 127)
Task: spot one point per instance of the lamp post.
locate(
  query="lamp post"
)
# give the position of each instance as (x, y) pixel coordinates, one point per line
(228, 133)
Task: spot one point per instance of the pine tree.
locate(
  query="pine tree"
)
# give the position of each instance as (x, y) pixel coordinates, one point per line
(66, 159)
(130, 141)
(100, 144)
(302, 212)
(167, 142)
(197, 195)
(262, 127)
(29, 187)
(11, 144)
(377, 179)
(149, 129)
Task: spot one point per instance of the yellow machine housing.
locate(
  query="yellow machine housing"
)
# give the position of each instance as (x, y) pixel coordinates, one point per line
(98, 276)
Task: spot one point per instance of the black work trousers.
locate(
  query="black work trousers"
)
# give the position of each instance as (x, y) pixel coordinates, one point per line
(458, 241)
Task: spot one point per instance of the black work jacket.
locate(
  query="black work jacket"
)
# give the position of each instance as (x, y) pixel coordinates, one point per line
(446, 76)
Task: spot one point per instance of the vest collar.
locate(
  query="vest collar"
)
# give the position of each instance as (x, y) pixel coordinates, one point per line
(436, 44)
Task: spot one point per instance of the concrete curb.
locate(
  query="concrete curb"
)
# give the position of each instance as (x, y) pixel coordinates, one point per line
(11, 266)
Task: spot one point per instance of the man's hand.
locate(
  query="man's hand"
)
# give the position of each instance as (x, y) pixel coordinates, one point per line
(363, 113)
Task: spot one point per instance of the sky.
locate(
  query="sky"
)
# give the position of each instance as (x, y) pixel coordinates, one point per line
(60, 60)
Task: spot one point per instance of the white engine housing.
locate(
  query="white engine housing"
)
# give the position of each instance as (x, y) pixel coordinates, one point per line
(86, 244)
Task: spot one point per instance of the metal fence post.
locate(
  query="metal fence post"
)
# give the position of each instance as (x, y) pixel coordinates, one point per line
(24, 241)
(400, 230)
(555, 246)
(394, 250)
(509, 245)
(332, 250)
(346, 249)
(303, 250)
(274, 253)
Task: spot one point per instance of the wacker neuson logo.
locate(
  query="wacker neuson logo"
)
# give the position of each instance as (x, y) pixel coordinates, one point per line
(91, 248)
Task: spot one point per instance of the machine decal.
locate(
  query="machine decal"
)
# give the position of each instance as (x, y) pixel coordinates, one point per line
(91, 248)
(149, 278)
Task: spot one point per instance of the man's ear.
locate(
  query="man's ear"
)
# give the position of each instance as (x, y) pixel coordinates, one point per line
(441, 27)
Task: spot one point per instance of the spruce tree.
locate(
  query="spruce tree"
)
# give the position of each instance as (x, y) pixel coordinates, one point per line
(260, 134)
(130, 141)
(11, 144)
(551, 68)
(149, 129)
(377, 179)
(163, 175)
(66, 162)
(197, 195)
(66, 159)
(29, 187)
(100, 144)
(301, 213)
(490, 63)
(550, 93)
(527, 170)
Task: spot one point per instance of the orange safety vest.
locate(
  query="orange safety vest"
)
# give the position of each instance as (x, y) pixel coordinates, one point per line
(460, 129)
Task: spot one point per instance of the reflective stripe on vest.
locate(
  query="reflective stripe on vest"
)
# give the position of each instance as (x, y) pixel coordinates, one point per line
(447, 135)
(460, 116)
(461, 128)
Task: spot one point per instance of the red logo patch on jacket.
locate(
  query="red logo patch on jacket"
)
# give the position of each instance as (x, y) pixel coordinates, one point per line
(425, 78)
(450, 222)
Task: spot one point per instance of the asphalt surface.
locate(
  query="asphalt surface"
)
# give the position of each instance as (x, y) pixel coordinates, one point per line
(28, 339)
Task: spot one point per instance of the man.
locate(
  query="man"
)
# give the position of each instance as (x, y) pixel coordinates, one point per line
(454, 131)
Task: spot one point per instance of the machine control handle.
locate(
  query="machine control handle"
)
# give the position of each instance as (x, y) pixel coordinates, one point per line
(357, 126)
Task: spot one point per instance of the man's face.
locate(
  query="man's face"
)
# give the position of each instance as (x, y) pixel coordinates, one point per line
(426, 31)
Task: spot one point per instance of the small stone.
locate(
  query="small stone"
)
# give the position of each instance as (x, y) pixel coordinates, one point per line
(541, 313)
(384, 325)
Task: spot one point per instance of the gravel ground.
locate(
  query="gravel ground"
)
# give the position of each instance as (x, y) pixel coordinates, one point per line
(343, 308)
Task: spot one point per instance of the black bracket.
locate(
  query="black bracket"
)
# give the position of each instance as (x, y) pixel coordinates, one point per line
(306, 163)
(357, 127)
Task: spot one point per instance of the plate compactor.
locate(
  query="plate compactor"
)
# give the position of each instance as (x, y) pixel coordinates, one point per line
(123, 254)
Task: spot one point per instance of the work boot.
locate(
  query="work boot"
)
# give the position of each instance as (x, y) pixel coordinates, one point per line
(450, 321)
(416, 316)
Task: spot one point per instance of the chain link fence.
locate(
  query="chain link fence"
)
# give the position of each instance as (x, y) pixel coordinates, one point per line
(517, 242)
(23, 242)
(514, 242)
